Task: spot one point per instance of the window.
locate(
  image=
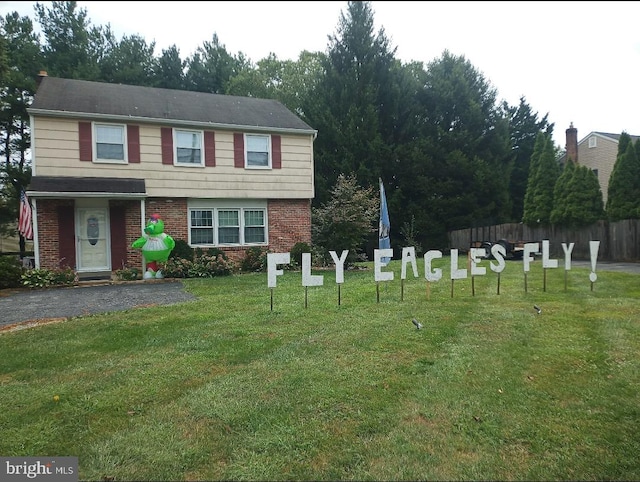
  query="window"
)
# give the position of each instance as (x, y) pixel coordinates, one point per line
(258, 151)
(227, 226)
(110, 143)
(254, 226)
(201, 227)
(593, 142)
(188, 148)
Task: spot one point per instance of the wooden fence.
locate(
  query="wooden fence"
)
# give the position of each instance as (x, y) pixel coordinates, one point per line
(619, 241)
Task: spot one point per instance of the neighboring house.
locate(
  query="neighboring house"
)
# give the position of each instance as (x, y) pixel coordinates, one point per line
(597, 151)
(221, 171)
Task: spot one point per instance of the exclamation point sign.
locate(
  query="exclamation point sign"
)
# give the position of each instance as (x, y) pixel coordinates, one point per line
(594, 246)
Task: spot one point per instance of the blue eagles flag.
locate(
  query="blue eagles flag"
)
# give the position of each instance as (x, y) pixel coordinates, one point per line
(384, 242)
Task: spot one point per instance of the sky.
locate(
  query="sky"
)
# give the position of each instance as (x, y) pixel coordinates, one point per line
(577, 62)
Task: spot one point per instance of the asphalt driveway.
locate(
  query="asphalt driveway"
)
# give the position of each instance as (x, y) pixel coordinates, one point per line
(18, 306)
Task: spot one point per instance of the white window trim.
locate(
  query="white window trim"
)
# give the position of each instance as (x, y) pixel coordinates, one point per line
(593, 142)
(175, 148)
(94, 144)
(269, 153)
(227, 205)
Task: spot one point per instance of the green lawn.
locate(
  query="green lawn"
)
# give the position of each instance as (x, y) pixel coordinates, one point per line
(227, 388)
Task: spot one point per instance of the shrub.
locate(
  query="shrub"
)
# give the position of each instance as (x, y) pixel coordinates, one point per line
(177, 267)
(127, 274)
(43, 278)
(10, 271)
(182, 250)
(255, 260)
(296, 253)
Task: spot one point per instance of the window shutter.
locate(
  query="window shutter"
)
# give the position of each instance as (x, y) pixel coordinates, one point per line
(66, 237)
(118, 230)
(166, 139)
(133, 143)
(86, 147)
(238, 150)
(209, 149)
(276, 153)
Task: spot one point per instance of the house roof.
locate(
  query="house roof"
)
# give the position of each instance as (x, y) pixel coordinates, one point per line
(43, 186)
(81, 98)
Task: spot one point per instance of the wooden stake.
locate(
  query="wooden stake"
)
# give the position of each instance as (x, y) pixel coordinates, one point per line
(498, 283)
(271, 299)
(401, 290)
(306, 289)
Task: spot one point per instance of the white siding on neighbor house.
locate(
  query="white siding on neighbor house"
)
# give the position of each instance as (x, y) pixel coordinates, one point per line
(602, 157)
(57, 153)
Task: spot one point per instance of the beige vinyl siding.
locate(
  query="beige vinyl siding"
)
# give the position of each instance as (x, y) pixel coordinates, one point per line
(602, 157)
(57, 154)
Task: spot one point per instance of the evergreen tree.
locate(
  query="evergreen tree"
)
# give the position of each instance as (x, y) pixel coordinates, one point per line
(131, 61)
(19, 64)
(524, 127)
(623, 200)
(348, 107)
(72, 47)
(543, 174)
(170, 68)
(584, 204)
(211, 67)
(561, 194)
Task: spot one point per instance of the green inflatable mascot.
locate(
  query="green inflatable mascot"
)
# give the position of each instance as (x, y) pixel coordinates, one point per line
(156, 246)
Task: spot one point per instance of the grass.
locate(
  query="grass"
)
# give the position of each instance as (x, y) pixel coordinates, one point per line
(227, 388)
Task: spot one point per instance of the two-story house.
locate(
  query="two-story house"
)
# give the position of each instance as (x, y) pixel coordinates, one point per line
(221, 171)
(597, 150)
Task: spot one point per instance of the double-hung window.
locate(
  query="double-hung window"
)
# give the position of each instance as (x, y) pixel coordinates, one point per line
(258, 153)
(189, 148)
(228, 225)
(110, 141)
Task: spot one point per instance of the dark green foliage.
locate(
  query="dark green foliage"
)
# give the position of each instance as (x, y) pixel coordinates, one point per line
(10, 272)
(204, 265)
(524, 127)
(623, 199)
(543, 174)
(578, 200)
(43, 278)
(347, 219)
(182, 250)
(561, 193)
(296, 253)
(255, 260)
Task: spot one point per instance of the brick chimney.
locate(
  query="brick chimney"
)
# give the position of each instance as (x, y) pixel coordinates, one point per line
(572, 144)
(41, 75)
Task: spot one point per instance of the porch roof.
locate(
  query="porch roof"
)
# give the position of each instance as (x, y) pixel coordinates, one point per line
(73, 187)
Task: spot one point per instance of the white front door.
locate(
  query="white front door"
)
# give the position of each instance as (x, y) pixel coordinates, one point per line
(93, 239)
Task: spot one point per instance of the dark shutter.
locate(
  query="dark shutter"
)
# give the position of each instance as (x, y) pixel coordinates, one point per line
(66, 237)
(238, 150)
(86, 147)
(209, 149)
(133, 143)
(118, 237)
(166, 139)
(276, 153)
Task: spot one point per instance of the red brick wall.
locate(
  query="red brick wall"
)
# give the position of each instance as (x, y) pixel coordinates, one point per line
(289, 223)
(47, 218)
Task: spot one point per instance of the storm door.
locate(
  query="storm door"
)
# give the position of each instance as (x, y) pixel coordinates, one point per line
(92, 238)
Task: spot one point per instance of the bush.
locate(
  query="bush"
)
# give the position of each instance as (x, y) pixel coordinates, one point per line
(255, 260)
(203, 265)
(127, 274)
(296, 253)
(182, 250)
(10, 272)
(43, 278)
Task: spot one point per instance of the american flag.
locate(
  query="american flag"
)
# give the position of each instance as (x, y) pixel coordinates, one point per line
(24, 223)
